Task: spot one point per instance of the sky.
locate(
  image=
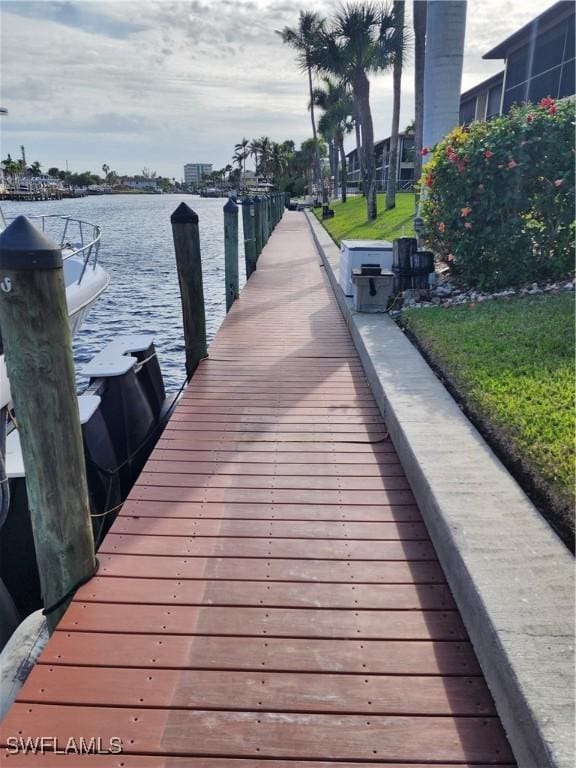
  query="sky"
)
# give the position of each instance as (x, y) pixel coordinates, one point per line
(160, 83)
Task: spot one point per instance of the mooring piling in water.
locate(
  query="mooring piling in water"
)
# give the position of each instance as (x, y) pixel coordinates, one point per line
(185, 232)
(258, 224)
(231, 252)
(264, 219)
(248, 219)
(38, 353)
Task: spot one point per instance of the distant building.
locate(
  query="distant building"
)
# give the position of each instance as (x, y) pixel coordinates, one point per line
(194, 172)
(539, 62)
(404, 172)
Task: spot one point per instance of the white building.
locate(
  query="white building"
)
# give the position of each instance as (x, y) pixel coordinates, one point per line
(194, 172)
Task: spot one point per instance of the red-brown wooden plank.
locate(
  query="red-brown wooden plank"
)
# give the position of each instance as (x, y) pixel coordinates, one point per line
(181, 546)
(261, 691)
(50, 760)
(160, 526)
(272, 622)
(183, 462)
(394, 480)
(270, 496)
(376, 657)
(241, 734)
(245, 568)
(327, 449)
(232, 510)
(107, 589)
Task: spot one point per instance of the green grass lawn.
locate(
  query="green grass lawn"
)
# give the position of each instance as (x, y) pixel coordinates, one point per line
(512, 363)
(350, 220)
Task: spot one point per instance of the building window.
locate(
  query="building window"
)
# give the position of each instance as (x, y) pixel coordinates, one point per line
(407, 151)
(468, 111)
(544, 85)
(493, 103)
(517, 67)
(542, 68)
(567, 85)
(406, 174)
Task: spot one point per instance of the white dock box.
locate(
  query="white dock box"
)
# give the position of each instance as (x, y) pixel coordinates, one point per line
(354, 253)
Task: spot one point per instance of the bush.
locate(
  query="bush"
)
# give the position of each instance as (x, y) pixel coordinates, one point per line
(499, 201)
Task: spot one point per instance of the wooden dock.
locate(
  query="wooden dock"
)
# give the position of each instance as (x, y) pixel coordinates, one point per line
(268, 595)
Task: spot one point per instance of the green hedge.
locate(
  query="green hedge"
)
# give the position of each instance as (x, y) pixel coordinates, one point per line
(499, 197)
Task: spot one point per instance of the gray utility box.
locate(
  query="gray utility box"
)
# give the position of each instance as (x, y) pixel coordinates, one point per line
(373, 288)
(354, 253)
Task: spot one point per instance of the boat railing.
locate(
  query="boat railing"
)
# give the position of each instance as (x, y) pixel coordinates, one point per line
(77, 237)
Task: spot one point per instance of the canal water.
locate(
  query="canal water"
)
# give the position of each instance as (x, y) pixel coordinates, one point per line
(138, 252)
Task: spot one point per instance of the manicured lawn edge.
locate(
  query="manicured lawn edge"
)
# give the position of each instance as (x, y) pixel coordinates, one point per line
(350, 222)
(556, 508)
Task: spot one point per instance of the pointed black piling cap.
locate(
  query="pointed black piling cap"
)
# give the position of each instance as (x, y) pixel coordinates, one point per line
(184, 215)
(230, 206)
(247, 201)
(23, 246)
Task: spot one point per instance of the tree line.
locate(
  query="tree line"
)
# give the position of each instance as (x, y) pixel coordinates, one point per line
(359, 41)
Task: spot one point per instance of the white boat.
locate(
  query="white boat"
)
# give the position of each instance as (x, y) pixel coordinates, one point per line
(84, 278)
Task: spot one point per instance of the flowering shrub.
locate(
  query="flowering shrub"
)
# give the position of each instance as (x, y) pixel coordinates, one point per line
(499, 199)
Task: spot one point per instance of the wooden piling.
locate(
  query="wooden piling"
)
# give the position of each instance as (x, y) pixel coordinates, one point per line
(38, 353)
(258, 224)
(189, 264)
(248, 223)
(231, 252)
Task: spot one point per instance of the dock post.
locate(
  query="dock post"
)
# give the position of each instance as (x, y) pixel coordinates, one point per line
(231, 252)
(38, 353)
(189, 264)
(248, 219)
(264, 217)
(258, 224)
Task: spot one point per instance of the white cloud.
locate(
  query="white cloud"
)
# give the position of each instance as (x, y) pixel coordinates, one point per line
(159, 84)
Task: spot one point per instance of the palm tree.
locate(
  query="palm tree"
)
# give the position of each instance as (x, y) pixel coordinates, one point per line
(304, 39)
(398, 11)
(265, 150)
(337, 103)
(242, 149)
(419, 23)
(279, 158)
(35, 168)
(105, 170)
(239, 159)
(361, 40)
(254, 150)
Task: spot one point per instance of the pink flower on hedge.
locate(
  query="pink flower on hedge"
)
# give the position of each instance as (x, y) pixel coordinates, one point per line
(547, 102)
(529, 117)
(465, 211)
(512, 164)
(468, 225)
(424, 151)
(441, 226)
(552, 109)
(558, 182)
(488, 154)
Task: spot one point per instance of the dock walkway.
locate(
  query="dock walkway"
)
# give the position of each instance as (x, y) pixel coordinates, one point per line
(268, 595)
